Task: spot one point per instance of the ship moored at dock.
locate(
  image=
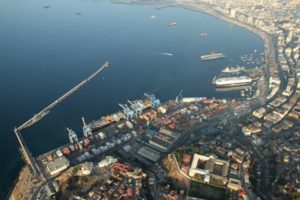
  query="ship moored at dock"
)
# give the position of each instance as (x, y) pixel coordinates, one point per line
(232, 81)
(117, 131)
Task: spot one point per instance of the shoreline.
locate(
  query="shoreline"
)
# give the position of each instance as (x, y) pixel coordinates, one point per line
(269, 51)
(22, 179)
(14, 184)
(269, 47)
(267, 38)
(11, 187)
(260, 33)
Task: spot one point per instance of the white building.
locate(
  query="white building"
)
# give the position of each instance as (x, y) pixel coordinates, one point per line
(209, 167)
(259, 113)
(108, 160)
(162, 109)
(232, 13)
(86, 169)
(57, 165)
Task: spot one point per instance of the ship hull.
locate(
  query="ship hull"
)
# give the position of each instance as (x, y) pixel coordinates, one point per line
(211, 59)
(231, 85)
(216, 56)
(231, 82)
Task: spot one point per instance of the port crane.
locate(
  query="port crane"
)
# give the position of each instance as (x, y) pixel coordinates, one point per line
(179, 97)
(127, 111)
(87, 131)
(27, 157)
(72, 136)
(140, 106)
(154, 101)
(137, 107)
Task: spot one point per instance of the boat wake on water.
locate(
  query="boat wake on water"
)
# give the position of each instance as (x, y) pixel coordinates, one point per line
(165, 54)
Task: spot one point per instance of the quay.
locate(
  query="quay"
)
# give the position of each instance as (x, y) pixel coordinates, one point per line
(147, 133)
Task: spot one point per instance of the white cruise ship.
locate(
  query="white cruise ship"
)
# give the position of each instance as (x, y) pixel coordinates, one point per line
(232, 81)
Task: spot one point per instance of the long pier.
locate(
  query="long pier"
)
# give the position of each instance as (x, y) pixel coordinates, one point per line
(36, 118)
(26, 155)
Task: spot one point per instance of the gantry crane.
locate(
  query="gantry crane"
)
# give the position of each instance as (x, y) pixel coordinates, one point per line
(72, 136)
(127, 111)
(87, 131)
(137, 107)
(154, 101)
(179, 97)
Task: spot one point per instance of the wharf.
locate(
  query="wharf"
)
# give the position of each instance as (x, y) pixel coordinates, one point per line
(171, 129)
(114, 133)
(36, 118)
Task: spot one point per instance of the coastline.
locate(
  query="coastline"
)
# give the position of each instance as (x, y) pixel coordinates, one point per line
(269, 67)
(269, 48)
(17, 192)
(14, 184)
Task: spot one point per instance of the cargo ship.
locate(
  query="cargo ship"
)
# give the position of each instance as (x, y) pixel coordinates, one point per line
(212, 56)
(231, 81)
(233, 69)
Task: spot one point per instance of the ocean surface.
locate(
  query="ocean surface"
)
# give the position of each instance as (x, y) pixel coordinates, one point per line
(46, 51)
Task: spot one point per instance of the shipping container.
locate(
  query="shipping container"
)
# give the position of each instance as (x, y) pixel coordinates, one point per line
(66, 150)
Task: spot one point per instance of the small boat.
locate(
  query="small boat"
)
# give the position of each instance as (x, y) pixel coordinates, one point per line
(233, 69)
(242, 93)
(172, 24)
(203, 34)
(47, 6)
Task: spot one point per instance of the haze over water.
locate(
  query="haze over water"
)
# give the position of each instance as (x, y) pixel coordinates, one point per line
(45, 52)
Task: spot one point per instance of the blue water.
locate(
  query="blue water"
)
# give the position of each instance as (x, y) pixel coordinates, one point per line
(45, 52)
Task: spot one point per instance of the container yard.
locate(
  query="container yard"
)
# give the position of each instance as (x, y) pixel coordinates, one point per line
(156, 128)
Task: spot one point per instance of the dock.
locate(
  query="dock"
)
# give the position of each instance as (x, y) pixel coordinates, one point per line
(37, 117)
(26, 155)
